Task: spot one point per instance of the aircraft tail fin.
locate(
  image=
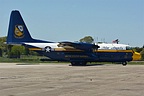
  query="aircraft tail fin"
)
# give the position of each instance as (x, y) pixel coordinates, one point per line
(18, 32)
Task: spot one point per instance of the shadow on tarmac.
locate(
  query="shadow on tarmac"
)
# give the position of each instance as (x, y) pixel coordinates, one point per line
(88, 65)
(95, 64)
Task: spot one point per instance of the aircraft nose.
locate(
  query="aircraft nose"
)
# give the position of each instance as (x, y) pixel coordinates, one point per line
(136, 56)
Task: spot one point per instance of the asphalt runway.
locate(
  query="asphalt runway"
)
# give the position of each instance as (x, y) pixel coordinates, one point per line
(64, 80)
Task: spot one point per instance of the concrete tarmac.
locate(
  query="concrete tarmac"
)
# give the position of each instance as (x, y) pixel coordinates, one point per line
(64, 80)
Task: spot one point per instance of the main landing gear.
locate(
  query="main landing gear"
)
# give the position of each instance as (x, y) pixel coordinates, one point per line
(78, 63)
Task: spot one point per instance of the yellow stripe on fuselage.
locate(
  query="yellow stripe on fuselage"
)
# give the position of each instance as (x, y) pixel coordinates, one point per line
(58, 49)
(68, 49)
(113, 51)
(78, 50)
(35, 49)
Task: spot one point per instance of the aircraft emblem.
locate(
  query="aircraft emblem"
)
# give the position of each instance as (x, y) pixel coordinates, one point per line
(48, 49)
(19, 31)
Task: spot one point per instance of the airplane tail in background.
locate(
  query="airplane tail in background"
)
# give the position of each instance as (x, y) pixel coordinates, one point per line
(18, 32)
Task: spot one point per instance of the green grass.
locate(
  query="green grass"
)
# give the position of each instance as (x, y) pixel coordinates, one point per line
(8, 60)
(136, 63)
(129, 63)
(22, 59)
(36, 59)
(25, 59)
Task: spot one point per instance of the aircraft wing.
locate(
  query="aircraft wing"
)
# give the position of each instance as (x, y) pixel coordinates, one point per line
(81, 46)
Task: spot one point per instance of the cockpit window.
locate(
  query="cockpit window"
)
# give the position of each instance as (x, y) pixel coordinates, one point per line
(128, 48)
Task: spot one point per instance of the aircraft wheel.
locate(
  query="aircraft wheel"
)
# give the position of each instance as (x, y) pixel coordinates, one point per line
(78, 63)
(73, 63)
(82, 63)
(124, 63)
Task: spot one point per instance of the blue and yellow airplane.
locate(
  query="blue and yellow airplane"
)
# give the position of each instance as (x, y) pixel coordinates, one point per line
(75, 53)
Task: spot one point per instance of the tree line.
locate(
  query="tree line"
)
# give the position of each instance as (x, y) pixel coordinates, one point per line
(14, 51)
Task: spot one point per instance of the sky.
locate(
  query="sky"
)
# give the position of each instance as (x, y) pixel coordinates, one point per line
(71, 20)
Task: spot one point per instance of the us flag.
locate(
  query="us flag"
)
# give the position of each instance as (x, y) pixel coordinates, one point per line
(115, 41)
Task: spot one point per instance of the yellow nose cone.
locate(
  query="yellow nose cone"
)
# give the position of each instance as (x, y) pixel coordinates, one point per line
(136, 56)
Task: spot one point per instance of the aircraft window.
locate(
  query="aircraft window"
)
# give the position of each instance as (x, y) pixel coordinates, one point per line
(128, 48)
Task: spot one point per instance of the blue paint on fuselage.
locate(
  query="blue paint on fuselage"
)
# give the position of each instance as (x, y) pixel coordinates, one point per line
(89, 56)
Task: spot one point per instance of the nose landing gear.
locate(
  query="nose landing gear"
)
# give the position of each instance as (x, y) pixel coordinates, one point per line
(124, 63)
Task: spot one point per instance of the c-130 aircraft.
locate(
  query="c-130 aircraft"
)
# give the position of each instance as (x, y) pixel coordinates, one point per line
(75, 53)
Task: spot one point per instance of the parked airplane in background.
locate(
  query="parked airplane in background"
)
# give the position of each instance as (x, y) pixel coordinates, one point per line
(75, 53)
